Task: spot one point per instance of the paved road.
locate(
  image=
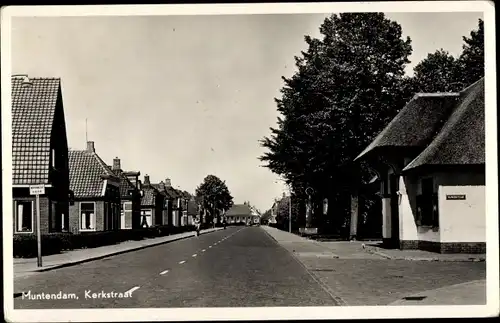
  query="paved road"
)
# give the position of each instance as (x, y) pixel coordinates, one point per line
(239, 266)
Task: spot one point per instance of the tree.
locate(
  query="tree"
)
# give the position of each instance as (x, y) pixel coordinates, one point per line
(437, 73)
(283, 213)
(214, 196)
(348, 86)
(441, 72)
(471, 61)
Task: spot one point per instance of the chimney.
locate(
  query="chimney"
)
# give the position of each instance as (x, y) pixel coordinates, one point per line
(116, 164)
(146, 180)
(25, 80)
(90, 147)
(168, 183)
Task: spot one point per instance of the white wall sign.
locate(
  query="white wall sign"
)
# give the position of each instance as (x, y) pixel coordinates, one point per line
(37, 189)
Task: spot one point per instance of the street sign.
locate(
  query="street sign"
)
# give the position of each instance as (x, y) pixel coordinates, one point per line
(37, 189)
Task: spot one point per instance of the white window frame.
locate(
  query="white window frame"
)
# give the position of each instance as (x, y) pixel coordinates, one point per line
(80, 217)
(53, 152)
(16, 210)
(124, 214)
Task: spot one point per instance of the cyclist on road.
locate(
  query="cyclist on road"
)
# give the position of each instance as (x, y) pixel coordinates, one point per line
(197, 223)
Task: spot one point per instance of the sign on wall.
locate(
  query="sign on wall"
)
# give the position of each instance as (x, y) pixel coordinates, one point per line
(455, 197)
(37, 189)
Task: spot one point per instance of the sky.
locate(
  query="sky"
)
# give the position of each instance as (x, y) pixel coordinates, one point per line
(182, 97)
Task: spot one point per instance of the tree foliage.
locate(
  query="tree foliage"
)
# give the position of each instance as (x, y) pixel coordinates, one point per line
(348, 85)
(441, 72)
(213, 195)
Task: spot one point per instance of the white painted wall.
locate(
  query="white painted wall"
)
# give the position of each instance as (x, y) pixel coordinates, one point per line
(407, 224)
(462, 220)
(386, 219)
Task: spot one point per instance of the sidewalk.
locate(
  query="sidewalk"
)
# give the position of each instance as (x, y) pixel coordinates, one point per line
(470, 293)
(28, 266)
(421, 255)
(298, 245)
(353, 274)
(365, 249)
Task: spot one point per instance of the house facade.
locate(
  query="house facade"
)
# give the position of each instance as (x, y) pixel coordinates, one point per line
(430, 160)
(130, 196)
(39, 154)
(167, 212)
(175, 202)
(152, 205)
(96, 191)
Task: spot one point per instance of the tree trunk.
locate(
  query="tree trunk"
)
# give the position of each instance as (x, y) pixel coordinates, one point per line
(354, 216)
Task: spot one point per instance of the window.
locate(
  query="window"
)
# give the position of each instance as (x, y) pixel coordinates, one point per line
(24, 216)
(53, 158)
(427, 204)
(87, 216)
(126, 215)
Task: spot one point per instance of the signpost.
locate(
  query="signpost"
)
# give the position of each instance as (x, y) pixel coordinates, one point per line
(38, 190)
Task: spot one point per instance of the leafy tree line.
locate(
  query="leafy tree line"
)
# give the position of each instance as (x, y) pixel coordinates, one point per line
(213, 198)
(349, 84)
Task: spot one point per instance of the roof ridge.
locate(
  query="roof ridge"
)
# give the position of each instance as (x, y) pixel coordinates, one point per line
(103, 165)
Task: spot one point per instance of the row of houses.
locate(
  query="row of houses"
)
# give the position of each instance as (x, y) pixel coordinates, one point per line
(82, 192)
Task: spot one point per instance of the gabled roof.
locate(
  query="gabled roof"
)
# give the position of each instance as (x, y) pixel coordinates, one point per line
(149, 196)
(239, 210)
(416, 124)
(125, 184)
(461, 141)
(87, 173)
(33, 112)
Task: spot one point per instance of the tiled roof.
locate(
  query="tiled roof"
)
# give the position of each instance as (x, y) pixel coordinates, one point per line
(149, 197)
(85, 173)
(33, 111)
(239, 209)
(172, 192)
(416, 124)
(125, 184)
(461, 141)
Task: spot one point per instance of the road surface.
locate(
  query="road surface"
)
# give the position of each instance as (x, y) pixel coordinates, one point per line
(236, 267)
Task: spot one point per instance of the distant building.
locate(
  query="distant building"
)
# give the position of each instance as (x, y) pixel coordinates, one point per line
(96, 192)
(242, 213)
(430, 160)
(39, 154)
(130, 196)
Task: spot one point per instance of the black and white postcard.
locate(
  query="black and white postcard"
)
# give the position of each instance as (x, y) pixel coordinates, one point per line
(249, 161)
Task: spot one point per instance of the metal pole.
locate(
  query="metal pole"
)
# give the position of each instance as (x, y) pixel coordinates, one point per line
(290, 212)
(38, 234)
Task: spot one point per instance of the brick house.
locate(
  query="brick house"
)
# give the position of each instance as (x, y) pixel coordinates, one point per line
(39, 154)
(152, 205)
(430, 160)
(174, 202)
(130, 196)
(96, 192)
(167, 203)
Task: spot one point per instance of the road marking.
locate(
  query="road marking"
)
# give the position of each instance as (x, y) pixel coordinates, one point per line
(203, 250)
(133, 289)
(210, 246)
(181, 262)
(164, 272)
(194, 255)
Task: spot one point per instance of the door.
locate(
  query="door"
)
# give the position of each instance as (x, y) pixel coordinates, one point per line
(394, 188)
